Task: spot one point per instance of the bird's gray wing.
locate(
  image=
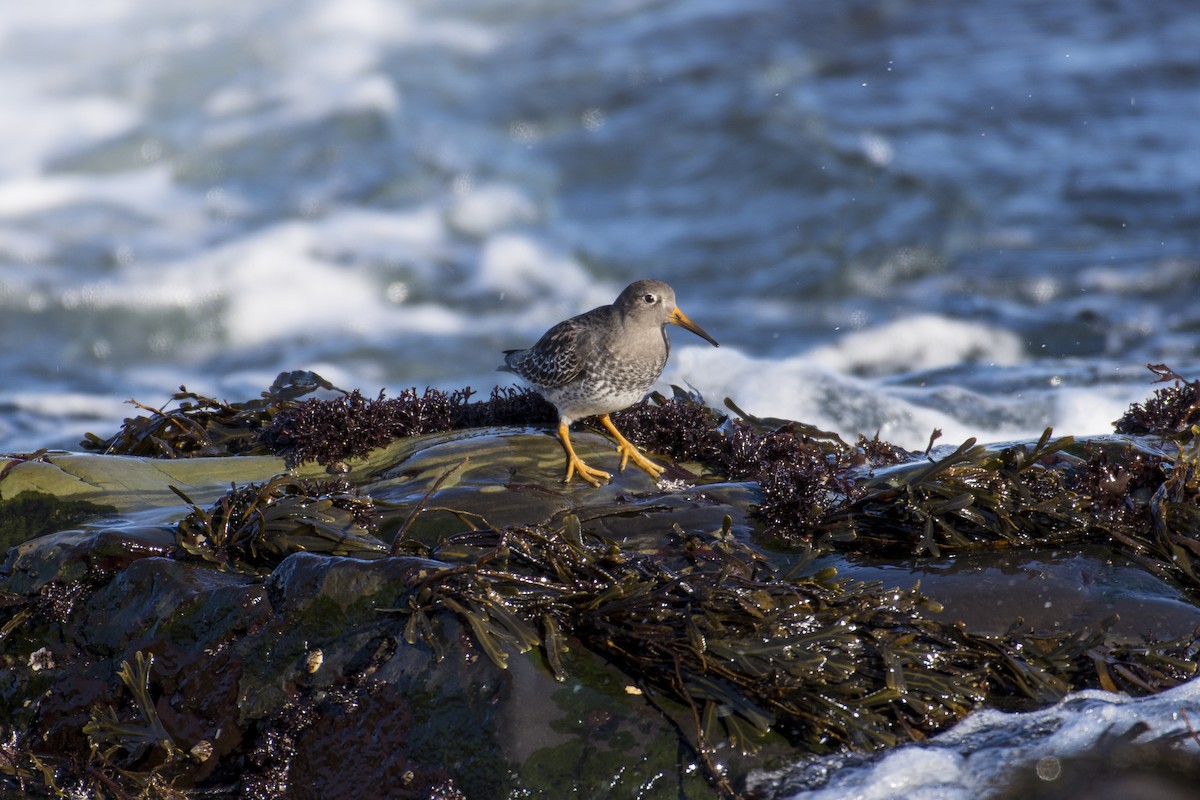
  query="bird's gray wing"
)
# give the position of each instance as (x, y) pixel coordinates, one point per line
(558, 357)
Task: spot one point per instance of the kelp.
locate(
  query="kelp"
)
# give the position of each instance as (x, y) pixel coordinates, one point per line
(973, 497)
(131, 752)
(1175, 511)
(1173, 412)
(201, 426)
(819, 490)
(134, 745)
(132, 755)
(870, 497)
(1131, 498)
(804, 472)
(252, 528)
(332, 431)
(743, 650)
(327, 431)
(729, 647)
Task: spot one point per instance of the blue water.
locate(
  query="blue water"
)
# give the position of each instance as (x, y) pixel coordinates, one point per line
(895, 216)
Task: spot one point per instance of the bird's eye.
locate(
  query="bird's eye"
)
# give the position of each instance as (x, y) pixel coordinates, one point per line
(649, 299)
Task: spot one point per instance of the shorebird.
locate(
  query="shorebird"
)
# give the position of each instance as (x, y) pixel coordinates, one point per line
(602, 361)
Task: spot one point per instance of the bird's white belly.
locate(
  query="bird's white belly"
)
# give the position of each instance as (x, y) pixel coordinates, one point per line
(598, 397)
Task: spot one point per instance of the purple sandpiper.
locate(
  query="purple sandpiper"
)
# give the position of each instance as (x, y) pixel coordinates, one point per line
(602, 361)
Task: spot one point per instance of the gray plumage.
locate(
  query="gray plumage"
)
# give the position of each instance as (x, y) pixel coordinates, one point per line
(605, 359)
(602, 361)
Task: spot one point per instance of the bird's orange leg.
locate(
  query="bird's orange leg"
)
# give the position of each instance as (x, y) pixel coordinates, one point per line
(628, 451)
(575, 463)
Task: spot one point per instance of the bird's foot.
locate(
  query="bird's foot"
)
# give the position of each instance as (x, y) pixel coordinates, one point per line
(630, 453)
(593, 476)
(575, 463)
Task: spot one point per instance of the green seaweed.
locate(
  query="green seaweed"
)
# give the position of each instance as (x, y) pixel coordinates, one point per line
(132, 755)
(114, 738)
(251, 528)
(732, 650)
(31, 514)
(1175, 511)
(202, 426)
(715, 629)
(973, 497)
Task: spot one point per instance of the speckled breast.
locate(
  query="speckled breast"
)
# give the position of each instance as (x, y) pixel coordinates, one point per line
(606, 386)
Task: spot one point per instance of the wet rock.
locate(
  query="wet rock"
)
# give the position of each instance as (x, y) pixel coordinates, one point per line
(71, 556)
(424, 644)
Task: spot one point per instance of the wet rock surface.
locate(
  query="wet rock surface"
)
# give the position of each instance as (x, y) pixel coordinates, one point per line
(297, 681)
(442, 617)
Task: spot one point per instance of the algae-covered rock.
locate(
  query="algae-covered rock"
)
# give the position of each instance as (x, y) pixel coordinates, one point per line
(32, 513)
(439, 616)
(122, 484)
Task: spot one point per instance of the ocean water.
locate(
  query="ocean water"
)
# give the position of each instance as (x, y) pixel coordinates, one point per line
(990, 750)
(895, 216)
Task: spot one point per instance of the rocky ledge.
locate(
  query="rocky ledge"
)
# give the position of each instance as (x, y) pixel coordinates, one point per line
(317, 594)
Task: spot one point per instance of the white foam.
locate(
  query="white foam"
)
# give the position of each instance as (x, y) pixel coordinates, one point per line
(804, 389)
(50, 54)
(520, 267)
(276, 288)
(380, 21)
(415, 237)
(979, 755)
(78, 404)
(148, 191)
(291, 281)
(1092, 410)
(51, 127)
(328, 60)
(22, 19)
(920, 342)
(483, 210)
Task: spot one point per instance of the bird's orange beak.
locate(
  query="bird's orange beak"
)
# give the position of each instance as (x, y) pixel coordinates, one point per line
(680, 319)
